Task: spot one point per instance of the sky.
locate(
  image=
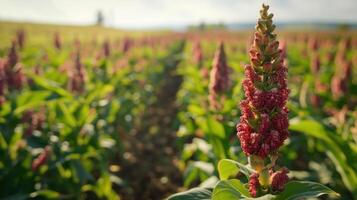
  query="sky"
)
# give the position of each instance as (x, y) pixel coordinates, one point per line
(169, 13)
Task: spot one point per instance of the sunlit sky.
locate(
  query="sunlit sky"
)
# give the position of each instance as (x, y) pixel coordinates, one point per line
(158, 13)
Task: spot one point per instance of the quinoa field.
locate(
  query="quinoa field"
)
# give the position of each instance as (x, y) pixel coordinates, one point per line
(89, 112)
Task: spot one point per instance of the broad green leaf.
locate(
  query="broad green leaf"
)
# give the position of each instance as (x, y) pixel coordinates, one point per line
(197, 170)
(196, 110)
(218, 147)
(104, 188)
(339, 151)
(231, 189)
(265, 197)
(215, 127)
(31, 99)
(227, 168)
(204, 166)
(296, 190)
(51, 86)
(193, 194)
(99, 92)
(245, 169)
(210, 182)
(211, 126)
(67, 115)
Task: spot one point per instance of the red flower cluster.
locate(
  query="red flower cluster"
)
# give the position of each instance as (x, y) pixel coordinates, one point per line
(14, 76)
(77, 75)
(219, 79)
(343, 71)
(126, 45)
(254, 184)
(20, 38)
(33, 121)
(315, 64)
(263, 126)
(313, 44)
(197, 53)
(11, 76)
(106, 48)
(41, 159)
(279, 179)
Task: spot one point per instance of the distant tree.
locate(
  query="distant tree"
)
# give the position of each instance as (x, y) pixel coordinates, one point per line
(100, 18)
(202, 26)
(221, 25)
(344, 27)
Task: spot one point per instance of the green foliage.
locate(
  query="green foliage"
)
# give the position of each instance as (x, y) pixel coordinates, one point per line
(87, 131)
(230, 190)
(339, 151)
(193, 194)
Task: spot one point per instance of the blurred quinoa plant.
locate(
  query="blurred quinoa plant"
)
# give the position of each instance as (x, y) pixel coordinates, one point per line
(197, 53)
(77, 75)
(11, 75)
(219, 79)
(57, 41)
(20, 38)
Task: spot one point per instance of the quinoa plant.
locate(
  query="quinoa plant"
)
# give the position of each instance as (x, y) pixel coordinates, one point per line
(262, 130)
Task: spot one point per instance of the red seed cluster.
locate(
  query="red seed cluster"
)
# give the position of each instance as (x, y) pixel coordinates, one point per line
(20, 38)
(219, 79)
(254, 184)
(77, 76)
(343, 71)
(11, 74)
(41, 159)
(278, 179)
(263, 126)
(106, 48)
(126, 45)
(315, 64)
(197, 53)
(33, 121)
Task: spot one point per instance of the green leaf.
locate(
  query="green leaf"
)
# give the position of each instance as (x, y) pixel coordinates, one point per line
(81, 173)
(218, 147)
(227, 168)
(104, 188)
(99, 92)
(245, 169)
(51, 86)
(231, 189)
(30, 99)
(339, 151)
(196, 110)
(211, 126)
(193, 194)
(197, 169)
(68, 117)
(296, 190)
(3, 144)
(47, 194)
(265, 197)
